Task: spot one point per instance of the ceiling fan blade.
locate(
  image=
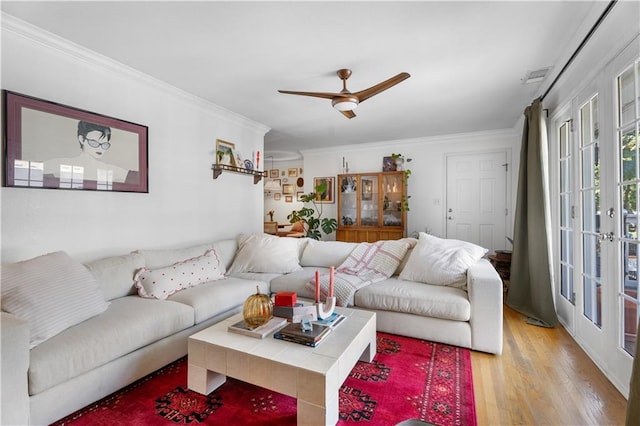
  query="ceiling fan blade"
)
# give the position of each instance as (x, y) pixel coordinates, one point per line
(325, 95)
(365, 94)
(348, 114)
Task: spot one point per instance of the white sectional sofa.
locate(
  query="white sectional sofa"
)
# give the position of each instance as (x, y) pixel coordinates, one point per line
(45, 378)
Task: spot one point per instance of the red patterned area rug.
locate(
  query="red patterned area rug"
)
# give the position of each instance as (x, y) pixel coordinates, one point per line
(408, 379)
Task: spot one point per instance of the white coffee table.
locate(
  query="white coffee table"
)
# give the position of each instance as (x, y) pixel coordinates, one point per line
(311, 375)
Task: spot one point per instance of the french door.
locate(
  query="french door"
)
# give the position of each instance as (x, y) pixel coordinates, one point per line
(597, 180)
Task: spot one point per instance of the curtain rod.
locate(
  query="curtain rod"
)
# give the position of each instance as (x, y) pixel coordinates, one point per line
(584, 41)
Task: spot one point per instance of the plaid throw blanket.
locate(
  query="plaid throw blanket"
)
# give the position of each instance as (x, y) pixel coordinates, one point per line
(368, 263)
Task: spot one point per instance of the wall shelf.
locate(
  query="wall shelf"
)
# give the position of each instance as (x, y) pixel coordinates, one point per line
(257, 174)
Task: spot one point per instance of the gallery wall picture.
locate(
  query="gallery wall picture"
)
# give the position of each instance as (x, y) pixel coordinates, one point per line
(50, 145)
(326, 196)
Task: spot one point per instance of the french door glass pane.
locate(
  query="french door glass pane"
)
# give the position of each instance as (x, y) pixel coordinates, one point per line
(628, 138)
(566, 214)
(565, 210)
(626, 94)
(566, 250)
(591, 211)
(591, 249)
(566, 283)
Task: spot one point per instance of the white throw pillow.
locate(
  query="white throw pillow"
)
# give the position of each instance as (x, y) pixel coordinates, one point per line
(440, 261)
(52, 292)
(266, 253)
(326, 253)
(163, 282)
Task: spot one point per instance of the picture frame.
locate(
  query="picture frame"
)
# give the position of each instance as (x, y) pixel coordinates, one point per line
(277, 196)
(299, 195)
(288, 198)
(274, 173)
(278, 181)
(54, 146)
(388, 164)
(328, 196)
(288, 189)
(226, 153)
(293, 172)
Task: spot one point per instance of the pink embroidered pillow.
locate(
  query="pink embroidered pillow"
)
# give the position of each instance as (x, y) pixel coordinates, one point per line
(163, 282)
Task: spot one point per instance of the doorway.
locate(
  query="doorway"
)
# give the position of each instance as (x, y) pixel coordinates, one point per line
(476, 191)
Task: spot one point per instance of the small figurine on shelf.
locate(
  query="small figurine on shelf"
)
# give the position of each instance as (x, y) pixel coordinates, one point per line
(270, 213)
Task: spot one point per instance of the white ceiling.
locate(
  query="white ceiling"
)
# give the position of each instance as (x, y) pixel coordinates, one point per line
(467, 60)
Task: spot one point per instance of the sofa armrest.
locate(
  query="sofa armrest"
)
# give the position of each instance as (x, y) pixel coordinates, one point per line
(14, 356)
(485, 295)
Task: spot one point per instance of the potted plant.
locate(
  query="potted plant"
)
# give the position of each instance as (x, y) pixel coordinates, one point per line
(312, 218)
(400, 160)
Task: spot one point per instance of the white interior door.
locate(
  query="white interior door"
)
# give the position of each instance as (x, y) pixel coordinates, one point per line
(477, 199)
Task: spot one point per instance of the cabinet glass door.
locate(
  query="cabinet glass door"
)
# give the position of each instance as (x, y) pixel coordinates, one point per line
(392, 200)
(349, 200)
(369, 200)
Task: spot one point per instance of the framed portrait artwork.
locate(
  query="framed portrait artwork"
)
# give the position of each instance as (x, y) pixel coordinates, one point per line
(277, 196)
(299, 195)
(288, 198)
(326, 196)
(293, 172)
(50, 145)
(274, 173)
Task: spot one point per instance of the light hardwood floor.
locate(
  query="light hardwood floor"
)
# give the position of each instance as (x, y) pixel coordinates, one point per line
(542, 378)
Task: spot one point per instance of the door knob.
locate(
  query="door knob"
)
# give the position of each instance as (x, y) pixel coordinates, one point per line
(604, 237)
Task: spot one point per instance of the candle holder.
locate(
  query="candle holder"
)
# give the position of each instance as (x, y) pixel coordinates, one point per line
(326, 309)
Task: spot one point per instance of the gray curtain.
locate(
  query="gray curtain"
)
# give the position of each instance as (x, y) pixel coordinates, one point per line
(531, 287)
(633, 404)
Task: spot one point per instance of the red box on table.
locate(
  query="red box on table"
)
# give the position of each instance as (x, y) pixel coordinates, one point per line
(286, 298)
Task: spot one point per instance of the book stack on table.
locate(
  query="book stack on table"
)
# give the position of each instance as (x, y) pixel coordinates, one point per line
(274, 324)
(320, 329)
(294, 333)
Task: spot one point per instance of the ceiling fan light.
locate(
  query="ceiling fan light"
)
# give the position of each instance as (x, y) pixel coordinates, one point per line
(345, 104)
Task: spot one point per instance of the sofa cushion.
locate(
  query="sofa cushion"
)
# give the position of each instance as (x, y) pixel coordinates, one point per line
(163, 282)
(412, 243)
(115, 274)
(128, 324)
(165, 257)
(441, 261)
(326, 253)
(415, 298)
(216, 297)
(266, 253)
(296, 281)
(226, 249)
(52, 292)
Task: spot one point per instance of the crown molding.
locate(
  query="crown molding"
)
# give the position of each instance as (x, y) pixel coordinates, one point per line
(52, 41)
(426, 140)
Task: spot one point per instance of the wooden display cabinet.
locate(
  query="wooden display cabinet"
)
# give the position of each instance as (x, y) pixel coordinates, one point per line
(371, 207)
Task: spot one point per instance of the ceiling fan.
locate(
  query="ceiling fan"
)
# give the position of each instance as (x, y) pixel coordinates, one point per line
(345, 101)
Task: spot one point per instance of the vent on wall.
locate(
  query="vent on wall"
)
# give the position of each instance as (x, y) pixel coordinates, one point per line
(536, 76)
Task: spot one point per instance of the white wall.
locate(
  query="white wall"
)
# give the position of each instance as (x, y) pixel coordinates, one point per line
(184, 204)
(427, 182)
